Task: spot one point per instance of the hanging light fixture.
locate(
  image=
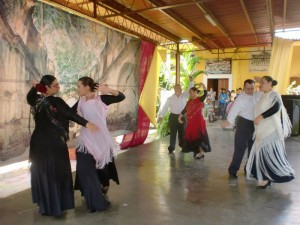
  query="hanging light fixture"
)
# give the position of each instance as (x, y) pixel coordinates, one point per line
(210, 19)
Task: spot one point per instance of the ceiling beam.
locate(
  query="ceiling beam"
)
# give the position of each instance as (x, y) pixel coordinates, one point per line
(198, 43)
(284, 14)
(178, 19)
(142, 21)
(84, 2)
(249, 20)
(270, 14)
(250, 34)
(156, 8)
(205, 10)
(243, 46)
(91, 14)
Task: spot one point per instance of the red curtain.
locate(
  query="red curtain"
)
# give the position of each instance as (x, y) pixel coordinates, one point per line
(139, 136)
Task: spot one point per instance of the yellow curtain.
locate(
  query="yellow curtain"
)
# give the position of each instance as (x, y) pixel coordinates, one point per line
(280, 63)
(149, 94)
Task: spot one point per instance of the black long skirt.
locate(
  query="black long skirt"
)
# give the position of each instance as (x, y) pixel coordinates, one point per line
(90, 181)
(193, 146)
(51, 177)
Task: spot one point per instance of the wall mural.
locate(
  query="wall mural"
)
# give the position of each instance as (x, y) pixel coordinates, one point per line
(38, 39)
(218, 66)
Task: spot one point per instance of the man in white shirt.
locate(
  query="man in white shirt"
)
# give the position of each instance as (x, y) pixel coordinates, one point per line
(242, 114)
(176, 104)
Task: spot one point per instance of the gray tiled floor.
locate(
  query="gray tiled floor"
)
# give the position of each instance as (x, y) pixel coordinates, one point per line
(157, 188)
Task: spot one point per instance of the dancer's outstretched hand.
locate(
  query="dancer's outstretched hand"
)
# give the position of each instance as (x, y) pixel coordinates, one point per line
(33, 84)
(225, 123)
(180, 119)
(203, 86)
(92, 127)
(258, 119)
(103, 88)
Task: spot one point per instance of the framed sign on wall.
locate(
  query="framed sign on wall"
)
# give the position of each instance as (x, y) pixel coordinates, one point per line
(218, 66)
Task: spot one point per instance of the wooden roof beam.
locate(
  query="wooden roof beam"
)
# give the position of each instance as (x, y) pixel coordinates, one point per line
(84, 2)
(156, 8)
(142, 21)
(242, 46)
(249, 20)
(72, 6)
(270, 14)
(200, 44)
(174, 16)
(205, 10)
(284, 14)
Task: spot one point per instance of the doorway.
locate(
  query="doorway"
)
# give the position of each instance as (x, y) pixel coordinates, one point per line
(217, 84)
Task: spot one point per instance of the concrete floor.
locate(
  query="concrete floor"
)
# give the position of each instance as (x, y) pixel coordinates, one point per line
(158, 188)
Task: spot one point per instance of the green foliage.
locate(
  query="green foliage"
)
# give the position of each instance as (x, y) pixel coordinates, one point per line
(188, 62)
(165, 78)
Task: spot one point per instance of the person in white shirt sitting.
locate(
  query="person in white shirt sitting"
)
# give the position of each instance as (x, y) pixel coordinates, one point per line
(209, 111)
(175, 104)
(242, 115)
(212, 96)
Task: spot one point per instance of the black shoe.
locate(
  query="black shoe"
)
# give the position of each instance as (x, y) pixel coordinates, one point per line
(267, 185)
(171, 150)
(91, 211)
(233, 176)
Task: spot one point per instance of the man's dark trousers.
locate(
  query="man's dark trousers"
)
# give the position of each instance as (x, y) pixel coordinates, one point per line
(175, 127)
(243, 140)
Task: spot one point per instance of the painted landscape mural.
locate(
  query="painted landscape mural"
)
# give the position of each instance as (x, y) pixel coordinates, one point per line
(38, 39)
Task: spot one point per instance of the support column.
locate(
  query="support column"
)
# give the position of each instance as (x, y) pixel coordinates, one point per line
(177, 65)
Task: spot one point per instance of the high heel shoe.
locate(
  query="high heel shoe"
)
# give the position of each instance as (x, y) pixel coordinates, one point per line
(267, 185)
(199, 156)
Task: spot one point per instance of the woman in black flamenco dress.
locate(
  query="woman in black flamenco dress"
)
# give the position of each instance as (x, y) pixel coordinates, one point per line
(51, 177)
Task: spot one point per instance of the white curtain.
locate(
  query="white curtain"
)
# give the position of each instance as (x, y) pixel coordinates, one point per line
(280, 63)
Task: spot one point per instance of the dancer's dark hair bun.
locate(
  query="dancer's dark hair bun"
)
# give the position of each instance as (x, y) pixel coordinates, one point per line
(274, 82)
(95, 86)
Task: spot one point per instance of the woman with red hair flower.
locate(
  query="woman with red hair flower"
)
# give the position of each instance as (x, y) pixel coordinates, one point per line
(51, 177)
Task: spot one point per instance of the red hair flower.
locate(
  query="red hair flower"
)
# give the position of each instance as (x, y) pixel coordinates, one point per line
(41, 88)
